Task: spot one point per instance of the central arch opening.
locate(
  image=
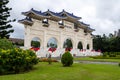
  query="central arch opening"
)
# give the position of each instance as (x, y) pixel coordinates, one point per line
(35, 42)
(68, 44)
(52, 43)
(80, 46)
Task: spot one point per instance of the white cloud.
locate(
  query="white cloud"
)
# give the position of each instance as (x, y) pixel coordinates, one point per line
(102, 15)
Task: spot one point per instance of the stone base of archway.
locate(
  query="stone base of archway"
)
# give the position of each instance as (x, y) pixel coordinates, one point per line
(59, 52)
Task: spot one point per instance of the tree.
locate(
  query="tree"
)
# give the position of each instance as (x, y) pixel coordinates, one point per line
(97, 42)
(68, 43)
(111, 35)
(5, 27)
(115, 44)
(35, 44)
(6, 44)
(106, 44)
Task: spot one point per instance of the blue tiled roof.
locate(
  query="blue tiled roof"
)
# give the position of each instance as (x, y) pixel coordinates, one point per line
(53, 13)
(90, 29)
(84, 24)
(38, 12)
(69, 14)
(60, 15)
(27, 18)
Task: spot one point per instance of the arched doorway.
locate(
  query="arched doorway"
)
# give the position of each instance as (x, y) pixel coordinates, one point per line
(80, 46)
(35, 42)
(88, 46)
(52, 43)
(68, 45)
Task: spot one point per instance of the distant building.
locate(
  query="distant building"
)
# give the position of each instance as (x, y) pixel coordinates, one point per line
(17, 41)
(117, 33)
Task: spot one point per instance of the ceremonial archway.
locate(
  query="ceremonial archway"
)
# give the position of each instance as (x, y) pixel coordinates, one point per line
(59, 26)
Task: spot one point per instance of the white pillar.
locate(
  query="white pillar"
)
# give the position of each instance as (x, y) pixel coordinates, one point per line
(75, 41)
(27, 41)
(45, 41)
(84, 45)
(91, 44)
(61, 40)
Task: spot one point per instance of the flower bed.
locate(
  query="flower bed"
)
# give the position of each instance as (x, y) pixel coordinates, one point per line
(46, 60)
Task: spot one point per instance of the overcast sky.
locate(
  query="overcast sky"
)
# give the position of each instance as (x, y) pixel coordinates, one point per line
(102, 15)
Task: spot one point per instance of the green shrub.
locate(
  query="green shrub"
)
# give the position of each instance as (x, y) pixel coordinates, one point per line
(112, 55)
(119, 64)
(105, 54)
(5, 44)
(16, 60)
(67, 59)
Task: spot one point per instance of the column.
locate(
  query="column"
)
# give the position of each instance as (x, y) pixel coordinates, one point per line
(44, 41)
(61, 40)
(75, 42)
(84, 44)
(27, 41)
(91, 44)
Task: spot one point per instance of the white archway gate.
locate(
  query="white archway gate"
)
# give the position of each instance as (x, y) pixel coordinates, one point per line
(46, 25)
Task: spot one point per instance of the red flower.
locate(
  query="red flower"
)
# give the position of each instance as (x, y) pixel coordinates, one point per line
(35, 49)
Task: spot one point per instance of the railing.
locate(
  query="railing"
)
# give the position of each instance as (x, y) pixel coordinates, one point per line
(59, 53)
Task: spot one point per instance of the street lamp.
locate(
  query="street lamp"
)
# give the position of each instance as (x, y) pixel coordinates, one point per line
(49, 57)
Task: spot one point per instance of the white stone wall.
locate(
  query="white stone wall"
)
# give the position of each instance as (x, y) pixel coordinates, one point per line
(45, 33)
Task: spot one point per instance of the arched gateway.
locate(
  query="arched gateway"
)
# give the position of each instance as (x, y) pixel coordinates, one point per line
(61, 26)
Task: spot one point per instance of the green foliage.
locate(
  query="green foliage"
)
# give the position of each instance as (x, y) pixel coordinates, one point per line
(105, 54)
(67, 59)
(104, 43)
(16, 60)
(5, 44)
(108, 55)
(68, 43)
(119, 64)
(112, 55)
(5, 27)
(35, 44)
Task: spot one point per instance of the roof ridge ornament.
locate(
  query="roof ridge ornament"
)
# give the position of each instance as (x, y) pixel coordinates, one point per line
(32, 9)
(63, 10)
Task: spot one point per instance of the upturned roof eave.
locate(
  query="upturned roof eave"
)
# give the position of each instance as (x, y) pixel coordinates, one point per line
(26, 22)
(36, 14)
(70, 15)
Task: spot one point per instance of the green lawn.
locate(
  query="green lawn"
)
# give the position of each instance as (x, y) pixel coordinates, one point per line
(92, 59)
(78, 71)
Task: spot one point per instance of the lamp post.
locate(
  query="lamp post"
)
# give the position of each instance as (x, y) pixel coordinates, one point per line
(49, 57)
